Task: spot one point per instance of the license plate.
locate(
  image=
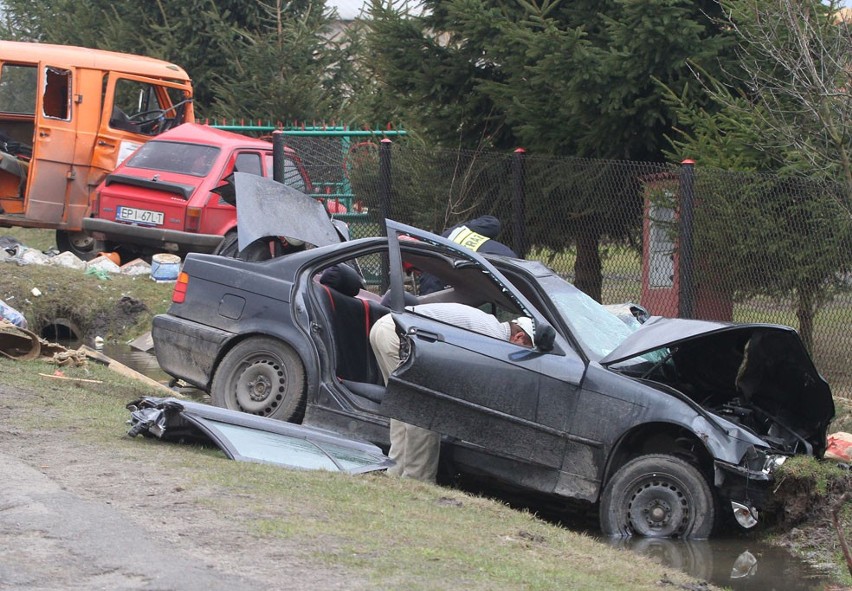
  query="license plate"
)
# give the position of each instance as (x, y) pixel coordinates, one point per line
(139, 216)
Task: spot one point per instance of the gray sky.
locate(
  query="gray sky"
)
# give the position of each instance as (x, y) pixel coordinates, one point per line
(347, 9)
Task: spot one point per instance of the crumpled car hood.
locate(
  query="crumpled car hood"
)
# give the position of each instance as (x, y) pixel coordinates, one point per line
(267, 208)
(758, 375)
(658, 332)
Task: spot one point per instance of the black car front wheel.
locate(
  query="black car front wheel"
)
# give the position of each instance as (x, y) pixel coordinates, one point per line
(657, 496)
(261, 376)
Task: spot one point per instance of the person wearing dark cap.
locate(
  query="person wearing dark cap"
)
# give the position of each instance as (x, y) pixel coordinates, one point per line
(479, 235)
(415, 450)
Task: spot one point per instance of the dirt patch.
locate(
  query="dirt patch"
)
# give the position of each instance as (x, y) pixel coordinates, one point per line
(80, 516)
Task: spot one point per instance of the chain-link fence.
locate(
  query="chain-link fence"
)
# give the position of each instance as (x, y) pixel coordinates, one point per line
(679, 240)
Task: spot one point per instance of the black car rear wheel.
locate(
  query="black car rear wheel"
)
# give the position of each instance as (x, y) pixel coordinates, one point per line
(657, 496)
(261, 376)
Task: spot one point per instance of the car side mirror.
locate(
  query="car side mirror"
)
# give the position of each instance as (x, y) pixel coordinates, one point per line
(225, 189)
(545, 336)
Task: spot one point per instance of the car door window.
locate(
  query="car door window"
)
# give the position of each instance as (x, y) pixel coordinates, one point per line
(248, 162)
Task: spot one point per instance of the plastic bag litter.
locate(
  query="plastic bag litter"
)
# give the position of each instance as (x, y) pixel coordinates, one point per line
(839, 447)
(12, 315)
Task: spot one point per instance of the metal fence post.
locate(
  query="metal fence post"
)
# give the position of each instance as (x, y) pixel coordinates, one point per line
(278, 156)
(686, 266)
(385, 190)
(519, 227)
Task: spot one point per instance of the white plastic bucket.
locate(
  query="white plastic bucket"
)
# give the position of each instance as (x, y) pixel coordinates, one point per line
(165, 267)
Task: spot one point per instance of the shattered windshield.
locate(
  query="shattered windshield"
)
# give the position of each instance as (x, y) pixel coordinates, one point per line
(598, 330)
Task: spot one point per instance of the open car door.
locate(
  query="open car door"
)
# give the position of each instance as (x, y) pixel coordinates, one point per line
(516, 402)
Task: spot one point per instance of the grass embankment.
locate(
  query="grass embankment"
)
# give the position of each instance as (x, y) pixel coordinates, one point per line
(118, 308)
(396, 534)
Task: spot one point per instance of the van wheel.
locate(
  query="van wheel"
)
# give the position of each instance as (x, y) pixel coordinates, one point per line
(261, 376)
(657, 496)
(81, 244)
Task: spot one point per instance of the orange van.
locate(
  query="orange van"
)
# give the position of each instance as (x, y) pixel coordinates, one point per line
(69, 116)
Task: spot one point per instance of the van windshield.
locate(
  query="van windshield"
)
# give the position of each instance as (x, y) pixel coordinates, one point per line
(191, 159)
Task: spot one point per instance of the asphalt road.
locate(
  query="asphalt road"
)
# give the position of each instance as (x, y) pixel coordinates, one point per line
(53, 539)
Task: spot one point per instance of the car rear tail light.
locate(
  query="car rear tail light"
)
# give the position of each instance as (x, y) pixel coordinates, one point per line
(179, 294)
(96, 204)
(193, 219)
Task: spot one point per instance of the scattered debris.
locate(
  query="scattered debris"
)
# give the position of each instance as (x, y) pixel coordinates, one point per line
(30, 256)
(119, 367)
(165, 267)
(136, 267)
(102, 263)
(9, 313)
(60, 377)
(839, 447)
(106, 263)
(74, 358)
(68, 260)
(18, 343)
(23, 345)
(144, 343)
(250, 438)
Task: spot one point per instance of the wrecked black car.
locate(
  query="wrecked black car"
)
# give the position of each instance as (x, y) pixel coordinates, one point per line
(668, 426)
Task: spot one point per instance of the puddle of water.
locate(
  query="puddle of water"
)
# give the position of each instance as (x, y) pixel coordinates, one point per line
(733, 563)
(144, 363)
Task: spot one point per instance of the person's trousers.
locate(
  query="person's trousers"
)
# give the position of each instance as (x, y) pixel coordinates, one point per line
(414, 449)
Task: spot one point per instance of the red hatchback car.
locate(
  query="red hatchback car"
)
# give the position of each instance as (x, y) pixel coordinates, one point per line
(163, 198)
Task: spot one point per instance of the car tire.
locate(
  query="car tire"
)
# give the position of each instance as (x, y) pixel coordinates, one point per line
(229, 246)
(261, 376)
(657, 496)
(80, 243)
(259, 250)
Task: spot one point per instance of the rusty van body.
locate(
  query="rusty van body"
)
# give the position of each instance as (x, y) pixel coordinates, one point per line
(69, 116)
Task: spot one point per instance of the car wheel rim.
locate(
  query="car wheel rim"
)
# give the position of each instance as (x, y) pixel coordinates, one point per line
(658, 507)
(260, 387)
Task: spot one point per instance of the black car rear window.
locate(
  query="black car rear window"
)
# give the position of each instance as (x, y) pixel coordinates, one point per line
(192, 159)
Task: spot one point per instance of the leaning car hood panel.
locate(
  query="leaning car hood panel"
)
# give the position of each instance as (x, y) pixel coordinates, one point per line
(267, 208)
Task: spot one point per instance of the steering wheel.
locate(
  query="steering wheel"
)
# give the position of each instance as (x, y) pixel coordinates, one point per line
(148, 120)
(147, 116)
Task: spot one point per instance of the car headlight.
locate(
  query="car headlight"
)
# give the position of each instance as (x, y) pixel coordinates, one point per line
(773, 462)
(758, 460)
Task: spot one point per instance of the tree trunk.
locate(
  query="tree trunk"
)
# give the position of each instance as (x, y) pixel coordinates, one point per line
(587, 267)
(805, 312)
